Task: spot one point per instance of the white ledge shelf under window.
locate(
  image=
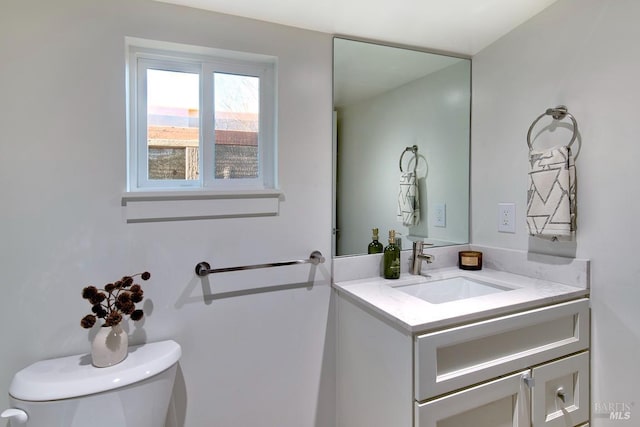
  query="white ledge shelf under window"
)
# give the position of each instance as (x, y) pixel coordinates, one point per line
(157, 206)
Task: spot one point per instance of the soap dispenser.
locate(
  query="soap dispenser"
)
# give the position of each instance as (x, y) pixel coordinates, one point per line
(392, 258)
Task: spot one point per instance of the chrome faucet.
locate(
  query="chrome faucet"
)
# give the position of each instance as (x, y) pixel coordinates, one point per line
(419, 256)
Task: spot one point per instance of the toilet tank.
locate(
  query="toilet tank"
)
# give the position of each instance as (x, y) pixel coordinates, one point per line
(70, 392)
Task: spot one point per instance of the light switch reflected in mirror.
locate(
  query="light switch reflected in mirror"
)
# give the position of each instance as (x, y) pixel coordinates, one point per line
(388, 99)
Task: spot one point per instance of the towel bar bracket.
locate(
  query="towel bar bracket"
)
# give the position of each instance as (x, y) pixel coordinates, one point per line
(558, 113)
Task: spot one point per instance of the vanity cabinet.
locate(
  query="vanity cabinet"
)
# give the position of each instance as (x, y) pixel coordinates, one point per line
(528, 368)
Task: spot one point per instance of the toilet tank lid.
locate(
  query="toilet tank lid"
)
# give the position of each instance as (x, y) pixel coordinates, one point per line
(74, 376)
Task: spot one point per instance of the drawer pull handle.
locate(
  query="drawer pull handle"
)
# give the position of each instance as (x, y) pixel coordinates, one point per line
(560, 394)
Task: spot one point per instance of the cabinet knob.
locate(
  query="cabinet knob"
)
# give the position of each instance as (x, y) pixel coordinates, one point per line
(560, 393)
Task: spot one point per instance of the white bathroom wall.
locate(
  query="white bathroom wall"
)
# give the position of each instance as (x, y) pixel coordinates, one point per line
(253, 359)
(583, 54)
(432, 113)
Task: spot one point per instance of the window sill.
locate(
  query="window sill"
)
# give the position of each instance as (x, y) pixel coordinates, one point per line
(158, 206)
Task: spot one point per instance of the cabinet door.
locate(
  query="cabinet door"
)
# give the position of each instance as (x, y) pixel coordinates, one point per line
(560, 396)
(500, 403)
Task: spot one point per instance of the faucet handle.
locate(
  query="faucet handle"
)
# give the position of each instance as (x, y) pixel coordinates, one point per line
(428, 258)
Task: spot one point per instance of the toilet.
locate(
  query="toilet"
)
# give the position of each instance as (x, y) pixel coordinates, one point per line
(71, 392)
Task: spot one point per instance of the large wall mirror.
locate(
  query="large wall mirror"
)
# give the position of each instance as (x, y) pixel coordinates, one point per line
(388, 100)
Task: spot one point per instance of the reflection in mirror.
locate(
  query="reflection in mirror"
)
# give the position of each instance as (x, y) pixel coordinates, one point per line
(387, 100)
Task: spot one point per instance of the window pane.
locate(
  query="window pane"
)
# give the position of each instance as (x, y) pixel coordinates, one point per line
(237, 110)
(173, 125)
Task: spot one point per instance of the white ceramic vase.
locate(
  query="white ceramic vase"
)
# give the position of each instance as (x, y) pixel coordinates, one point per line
(109, 347)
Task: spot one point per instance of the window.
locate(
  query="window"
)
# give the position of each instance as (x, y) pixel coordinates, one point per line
(200, 119)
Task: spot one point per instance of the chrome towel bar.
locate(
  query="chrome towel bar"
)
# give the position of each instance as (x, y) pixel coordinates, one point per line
(203, 268)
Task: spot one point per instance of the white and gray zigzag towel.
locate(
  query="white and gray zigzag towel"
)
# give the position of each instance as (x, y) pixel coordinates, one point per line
(551, 199)
(408, 200)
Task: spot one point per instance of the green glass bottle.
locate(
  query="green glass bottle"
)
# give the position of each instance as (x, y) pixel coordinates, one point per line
(392, 258)
(375, 247)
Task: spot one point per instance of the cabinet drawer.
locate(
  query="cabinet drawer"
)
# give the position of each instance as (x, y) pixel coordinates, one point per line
(560, 396)
(459, 357)
(500, 403)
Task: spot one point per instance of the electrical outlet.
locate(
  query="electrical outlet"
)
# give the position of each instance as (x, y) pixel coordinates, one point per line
(506, 217)
(440, 215)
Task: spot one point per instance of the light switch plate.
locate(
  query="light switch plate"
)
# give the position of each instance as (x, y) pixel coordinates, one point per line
(439, 215)
(506, 217)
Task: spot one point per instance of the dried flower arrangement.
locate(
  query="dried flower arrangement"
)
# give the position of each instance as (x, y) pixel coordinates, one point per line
(113, 301)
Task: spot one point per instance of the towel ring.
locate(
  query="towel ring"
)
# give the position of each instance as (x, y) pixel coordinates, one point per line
(414, 150)
(558, 113)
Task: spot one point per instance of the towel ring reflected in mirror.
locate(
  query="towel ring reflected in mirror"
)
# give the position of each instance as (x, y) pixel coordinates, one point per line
(558, 113)
(414, 150)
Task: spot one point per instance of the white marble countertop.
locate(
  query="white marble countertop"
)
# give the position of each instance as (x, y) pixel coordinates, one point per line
(416, 315)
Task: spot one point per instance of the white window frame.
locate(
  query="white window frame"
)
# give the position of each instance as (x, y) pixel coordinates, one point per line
(143, 55)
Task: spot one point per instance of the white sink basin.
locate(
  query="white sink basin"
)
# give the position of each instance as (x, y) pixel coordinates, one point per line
(452, 289)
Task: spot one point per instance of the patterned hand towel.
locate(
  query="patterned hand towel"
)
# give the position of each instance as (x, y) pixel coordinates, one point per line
(551, 199)
(408, 200)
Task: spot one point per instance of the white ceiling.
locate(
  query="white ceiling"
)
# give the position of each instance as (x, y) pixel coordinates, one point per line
(457, 26)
